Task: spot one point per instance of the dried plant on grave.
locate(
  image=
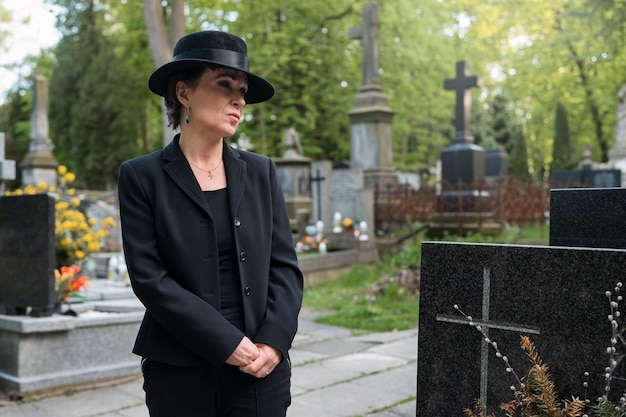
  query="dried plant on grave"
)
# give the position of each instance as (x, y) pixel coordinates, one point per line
(476, 410)
(535, 394)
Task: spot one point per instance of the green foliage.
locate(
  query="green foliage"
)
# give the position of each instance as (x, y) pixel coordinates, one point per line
(535, 60)
(96, 106)
(347, 299)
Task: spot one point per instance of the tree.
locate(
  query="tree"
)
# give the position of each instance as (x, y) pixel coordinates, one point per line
(92, 108)
(562, 150)
(165, 24)
(538, 59)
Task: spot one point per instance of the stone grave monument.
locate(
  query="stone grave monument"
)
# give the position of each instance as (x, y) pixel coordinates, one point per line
(39, 165)
(370, 117)
(321, 175)
(589, 174)
(462, 203)
(293, 171)
(27, 255)
(554, 295)
(7, 167)
(463, 160)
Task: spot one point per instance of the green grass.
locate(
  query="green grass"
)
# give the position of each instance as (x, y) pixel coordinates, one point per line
(346, 299)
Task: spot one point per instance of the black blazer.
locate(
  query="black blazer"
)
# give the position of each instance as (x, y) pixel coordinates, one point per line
(170, 245)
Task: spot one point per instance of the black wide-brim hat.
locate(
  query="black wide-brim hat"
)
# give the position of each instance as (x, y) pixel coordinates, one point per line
(211, 47)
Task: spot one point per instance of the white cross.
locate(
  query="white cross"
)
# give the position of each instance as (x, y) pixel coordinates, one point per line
(486, 325)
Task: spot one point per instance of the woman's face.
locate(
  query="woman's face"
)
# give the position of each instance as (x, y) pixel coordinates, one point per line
(216, 103)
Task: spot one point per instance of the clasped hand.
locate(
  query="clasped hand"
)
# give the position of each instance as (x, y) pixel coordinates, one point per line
(258, 359)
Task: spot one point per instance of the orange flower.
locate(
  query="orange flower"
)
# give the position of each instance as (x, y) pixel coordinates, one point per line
(69, 282)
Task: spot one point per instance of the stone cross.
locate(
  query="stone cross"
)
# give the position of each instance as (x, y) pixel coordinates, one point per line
(486, 324)
(461, 85)
(7, 167)
(318, 179)
(39, 139)
(368, 33)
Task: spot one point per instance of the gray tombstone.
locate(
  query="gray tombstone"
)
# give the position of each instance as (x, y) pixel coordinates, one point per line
(39, 165)
(588, 217)
(7, 166)
(27, 254)
(554, 295)
(370, 117)
(293, 171)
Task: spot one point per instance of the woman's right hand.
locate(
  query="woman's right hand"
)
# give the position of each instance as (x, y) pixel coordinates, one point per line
(245, 353)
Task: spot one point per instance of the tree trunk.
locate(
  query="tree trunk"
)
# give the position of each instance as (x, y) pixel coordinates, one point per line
(162, 42)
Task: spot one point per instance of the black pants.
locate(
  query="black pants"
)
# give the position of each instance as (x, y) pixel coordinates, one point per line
(204, 391)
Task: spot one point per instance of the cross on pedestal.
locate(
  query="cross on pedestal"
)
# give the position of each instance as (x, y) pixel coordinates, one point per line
(368, 33)
(486, 324)
(7, 167)
(317, 179)
(461, 85)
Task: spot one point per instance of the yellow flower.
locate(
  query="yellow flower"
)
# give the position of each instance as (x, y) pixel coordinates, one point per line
(61, 206)
(71, 191)
(61, 170)
(30, 189)
(108, 222)
(69, 177)
(42, 186)
(76, 202)
(79, 254)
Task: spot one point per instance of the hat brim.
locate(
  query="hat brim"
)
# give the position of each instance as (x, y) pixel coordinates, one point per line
(259, 89)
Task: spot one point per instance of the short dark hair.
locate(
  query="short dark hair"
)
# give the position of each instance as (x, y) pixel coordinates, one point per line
(173, 107)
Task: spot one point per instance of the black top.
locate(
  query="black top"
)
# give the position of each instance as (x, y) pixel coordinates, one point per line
(230, 287)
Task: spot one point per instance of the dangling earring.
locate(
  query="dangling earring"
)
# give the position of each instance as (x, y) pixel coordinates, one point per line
(187, 120)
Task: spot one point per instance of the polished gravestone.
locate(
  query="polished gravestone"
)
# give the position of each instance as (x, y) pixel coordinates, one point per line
(27, 255)
(554, 295)
(591, 217)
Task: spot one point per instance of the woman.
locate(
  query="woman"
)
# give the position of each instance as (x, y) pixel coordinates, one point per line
(208, 245)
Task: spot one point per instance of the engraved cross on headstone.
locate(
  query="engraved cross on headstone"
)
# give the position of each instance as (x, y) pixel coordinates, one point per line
(486, 324)
(7, 167)
(368, 33)
(461, 85)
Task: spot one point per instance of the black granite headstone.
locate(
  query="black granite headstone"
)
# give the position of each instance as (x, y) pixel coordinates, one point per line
(27, 254)
(587, 177)
(588, 217)
(496, 161)
(554, 295)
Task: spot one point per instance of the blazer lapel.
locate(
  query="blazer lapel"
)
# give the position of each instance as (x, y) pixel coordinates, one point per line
(176, 166)
(235, 177)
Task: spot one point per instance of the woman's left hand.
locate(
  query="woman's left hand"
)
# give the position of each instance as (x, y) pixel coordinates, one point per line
(265, 363)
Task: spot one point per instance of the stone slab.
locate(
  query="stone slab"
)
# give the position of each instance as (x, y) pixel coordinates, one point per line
(554, 295)
(27, 254)
(588, 217)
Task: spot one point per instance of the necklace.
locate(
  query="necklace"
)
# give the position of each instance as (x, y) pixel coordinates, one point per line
(210, 171)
